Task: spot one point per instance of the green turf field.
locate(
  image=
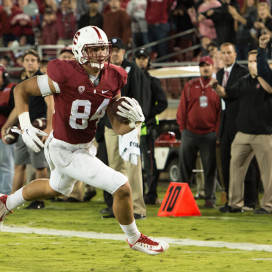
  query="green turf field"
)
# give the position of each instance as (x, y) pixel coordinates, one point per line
(194, 244)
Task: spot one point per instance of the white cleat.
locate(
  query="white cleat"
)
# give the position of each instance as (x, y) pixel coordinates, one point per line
(149, 245)
(3, 208)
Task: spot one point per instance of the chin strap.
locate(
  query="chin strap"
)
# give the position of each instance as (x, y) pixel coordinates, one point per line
(97, 65)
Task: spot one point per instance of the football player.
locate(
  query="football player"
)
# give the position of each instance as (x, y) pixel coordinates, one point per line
(83, 91)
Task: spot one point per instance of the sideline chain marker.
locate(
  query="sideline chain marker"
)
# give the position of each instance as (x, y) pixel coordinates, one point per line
(179, 201)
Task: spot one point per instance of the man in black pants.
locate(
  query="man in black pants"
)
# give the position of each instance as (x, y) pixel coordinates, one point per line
(148, 132)
(198, 117)
(254, 136)
(226, 77)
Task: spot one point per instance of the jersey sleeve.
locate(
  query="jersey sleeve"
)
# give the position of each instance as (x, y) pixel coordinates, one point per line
(57, 71)
(263, 68)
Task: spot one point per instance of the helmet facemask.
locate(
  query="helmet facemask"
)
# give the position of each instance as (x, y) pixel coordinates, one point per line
(95, 55)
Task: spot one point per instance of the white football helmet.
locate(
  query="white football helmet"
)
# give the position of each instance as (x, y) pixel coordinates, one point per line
(86, 39)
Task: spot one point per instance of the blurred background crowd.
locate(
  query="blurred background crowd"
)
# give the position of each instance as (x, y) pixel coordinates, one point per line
(54, 22)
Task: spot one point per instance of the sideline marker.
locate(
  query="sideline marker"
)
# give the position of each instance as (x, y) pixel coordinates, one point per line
(179, 201)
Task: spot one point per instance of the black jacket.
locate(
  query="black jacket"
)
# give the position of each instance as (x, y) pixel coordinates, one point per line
(255, 106)
(158, 99)
(263, 68)
(87, 20)
(232, 105)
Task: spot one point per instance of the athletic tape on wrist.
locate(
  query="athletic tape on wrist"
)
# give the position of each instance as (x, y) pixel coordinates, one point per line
(24, 120)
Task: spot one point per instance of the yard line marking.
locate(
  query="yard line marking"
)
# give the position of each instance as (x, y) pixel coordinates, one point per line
(218, 244)
(121, 237)
(210, 252)
(262, 259)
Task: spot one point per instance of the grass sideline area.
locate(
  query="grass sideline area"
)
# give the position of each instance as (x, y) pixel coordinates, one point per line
(35, 252)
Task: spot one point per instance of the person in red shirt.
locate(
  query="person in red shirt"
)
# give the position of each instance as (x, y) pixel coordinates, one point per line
(49, 31)
(83, 90)
(117, 23)
(198, 118)
(157, 12)
(66, 22)
(25, 21)
(7, 12)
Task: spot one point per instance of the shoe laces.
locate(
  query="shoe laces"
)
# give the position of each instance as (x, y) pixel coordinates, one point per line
(147, 240)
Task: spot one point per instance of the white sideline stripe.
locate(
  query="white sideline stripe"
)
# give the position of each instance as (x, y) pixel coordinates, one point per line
(262, 259)
(218, 244)
(121, 237)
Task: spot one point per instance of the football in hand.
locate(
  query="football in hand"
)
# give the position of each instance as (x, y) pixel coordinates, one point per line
(39, 123)
(115, 105)
(11, 137)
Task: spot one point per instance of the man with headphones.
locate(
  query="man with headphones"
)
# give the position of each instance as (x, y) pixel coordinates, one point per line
(148, 131)
(6, 151)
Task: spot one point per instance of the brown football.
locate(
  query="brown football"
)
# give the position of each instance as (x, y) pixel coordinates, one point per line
(115, 105)
(11, 137)
(39, 123)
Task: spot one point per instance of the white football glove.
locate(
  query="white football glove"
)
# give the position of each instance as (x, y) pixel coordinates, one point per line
(132, 111)
(31, 139)
(30, 134)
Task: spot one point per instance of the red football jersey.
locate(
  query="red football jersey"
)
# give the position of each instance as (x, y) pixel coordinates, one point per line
(80, 105)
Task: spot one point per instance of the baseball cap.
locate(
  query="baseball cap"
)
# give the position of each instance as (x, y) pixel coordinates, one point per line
(66, 49)
(117, 42)
(141, 52)
(206, 59)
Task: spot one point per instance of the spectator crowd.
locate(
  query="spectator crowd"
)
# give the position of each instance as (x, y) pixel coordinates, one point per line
(138, 22)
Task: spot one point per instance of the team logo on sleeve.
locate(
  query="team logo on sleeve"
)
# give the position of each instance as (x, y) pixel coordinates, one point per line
(128, 69)
(81, 89)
